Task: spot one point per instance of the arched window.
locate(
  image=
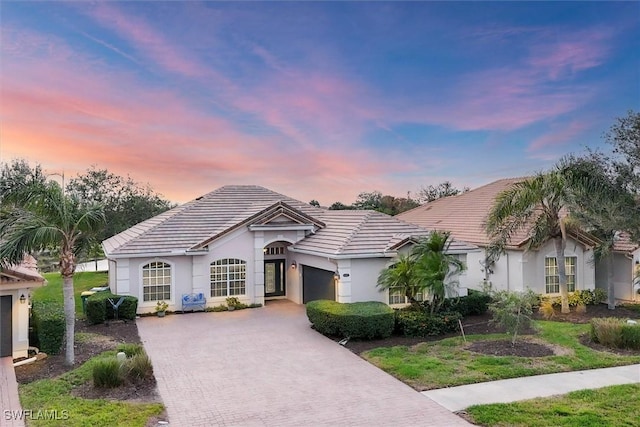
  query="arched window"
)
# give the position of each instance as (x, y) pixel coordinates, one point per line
(156, 281)
(228, 277)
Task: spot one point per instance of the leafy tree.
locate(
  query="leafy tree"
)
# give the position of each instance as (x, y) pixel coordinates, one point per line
(426, 269)
(19, 174)
(42, 216)
(433, 192)
(125, 202)
(624, 136)
(387, 204)
(513, 311)
(315, 203)
(536, 205)
(339, 206)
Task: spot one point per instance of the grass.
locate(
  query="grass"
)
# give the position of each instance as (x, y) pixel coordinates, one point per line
(81, 282)
(614, 406)
(55, 395)
(447, 363)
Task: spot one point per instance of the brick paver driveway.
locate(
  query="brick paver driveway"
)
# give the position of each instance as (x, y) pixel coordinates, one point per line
(266, 367)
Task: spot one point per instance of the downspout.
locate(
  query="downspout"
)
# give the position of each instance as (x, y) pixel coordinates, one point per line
(508, 272)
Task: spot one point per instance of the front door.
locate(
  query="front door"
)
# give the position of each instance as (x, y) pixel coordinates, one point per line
(6, 336)
(274, 278)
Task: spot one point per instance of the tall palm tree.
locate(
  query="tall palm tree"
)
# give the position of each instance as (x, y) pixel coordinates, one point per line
(43, 216)
(601, 203)
(537, 204)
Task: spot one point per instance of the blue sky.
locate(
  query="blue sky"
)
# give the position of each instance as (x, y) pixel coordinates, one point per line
(317, 100)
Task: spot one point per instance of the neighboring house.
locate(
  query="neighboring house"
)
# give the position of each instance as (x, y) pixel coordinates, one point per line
(16, 283)
(464, 215)
(255, 244)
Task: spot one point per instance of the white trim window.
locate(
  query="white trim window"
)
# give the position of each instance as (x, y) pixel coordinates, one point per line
(551, 278)
(228, 277)
(396, 297)
(156, 281)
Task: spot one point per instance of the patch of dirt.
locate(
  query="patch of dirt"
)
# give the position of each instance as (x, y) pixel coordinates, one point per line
(600, 310)
(521, 348)
(586, 341)
(94, 339)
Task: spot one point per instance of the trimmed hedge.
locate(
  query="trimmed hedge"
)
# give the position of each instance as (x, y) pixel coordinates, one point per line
(412, 323)
(99, 309)
(365, 320)
(476, 303)
(49, 325)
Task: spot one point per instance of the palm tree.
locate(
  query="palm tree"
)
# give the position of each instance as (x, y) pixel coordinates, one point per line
(426, 269)
(537, 204)
(401, 276)
(43, 216)
(435, 267)
(601, 204)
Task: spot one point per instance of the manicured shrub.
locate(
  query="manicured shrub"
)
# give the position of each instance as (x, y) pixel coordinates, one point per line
(108, 373)
(49, 323)
(365, 320)
(130, 349)
(630, 336)
(99, 308)
(139, 367)
(413, 323)
(476, 303)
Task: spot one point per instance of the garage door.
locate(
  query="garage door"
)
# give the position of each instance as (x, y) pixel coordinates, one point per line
(6, 338)
(317, 284)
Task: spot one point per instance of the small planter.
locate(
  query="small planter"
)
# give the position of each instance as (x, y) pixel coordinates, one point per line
(231, 308)
(161, 308)
(160, 313)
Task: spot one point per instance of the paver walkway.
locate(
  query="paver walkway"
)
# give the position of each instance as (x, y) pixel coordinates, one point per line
(266, 367)
(9, 400)
(512, 390)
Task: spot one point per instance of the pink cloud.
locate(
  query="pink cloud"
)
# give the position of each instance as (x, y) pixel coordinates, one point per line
(572, 53)
(147, 40)
(558, 136)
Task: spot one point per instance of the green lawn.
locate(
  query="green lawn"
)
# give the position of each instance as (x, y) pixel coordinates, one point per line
(81, 282)
(446, 363)
(71, 411)
(615, 406)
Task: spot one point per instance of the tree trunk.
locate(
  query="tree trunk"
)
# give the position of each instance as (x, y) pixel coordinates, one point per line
(562, 274)
(67, 268)
(611, 292)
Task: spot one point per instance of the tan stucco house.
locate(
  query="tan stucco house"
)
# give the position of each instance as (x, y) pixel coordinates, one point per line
(16, 283)
(256, 244)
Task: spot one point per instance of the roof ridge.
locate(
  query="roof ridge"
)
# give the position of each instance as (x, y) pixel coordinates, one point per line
(356, 229)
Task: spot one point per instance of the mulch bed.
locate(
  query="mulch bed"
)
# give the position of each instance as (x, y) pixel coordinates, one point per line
(481, 325)
(505, 348)
(111, 334)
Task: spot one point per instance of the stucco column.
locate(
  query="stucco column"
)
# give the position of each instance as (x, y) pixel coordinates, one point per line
(344, 283)
(258, 267)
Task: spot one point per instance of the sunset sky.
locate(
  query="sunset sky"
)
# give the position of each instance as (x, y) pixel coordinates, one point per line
(317, 100)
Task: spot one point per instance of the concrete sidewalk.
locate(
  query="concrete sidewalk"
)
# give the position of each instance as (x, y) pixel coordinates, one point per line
(9, 400)
(505, 391)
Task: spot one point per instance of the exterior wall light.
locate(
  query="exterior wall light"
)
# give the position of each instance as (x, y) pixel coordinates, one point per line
(336, 275)
(294, 264)
(23, 299)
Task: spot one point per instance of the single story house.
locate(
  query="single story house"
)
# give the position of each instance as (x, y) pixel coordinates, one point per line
(464, 215)
(16, 282)
(255, 244)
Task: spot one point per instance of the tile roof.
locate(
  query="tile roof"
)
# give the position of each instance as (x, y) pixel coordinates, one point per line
(200, 221)
(463, 215)
(27, 270)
